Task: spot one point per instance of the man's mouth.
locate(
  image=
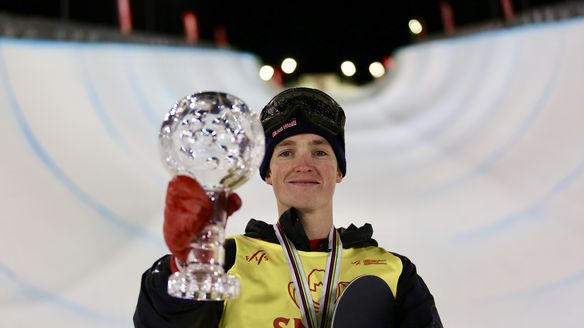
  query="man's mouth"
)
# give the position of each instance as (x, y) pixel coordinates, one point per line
(303, 182)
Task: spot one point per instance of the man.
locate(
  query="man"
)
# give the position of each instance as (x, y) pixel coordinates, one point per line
(294, 271)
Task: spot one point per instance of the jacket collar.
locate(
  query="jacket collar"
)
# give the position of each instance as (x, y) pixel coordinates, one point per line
(352, 237)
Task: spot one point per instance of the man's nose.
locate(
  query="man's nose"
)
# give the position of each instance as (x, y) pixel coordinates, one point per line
(304, 162)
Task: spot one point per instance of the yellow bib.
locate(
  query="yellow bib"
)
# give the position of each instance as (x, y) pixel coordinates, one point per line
(268, 295)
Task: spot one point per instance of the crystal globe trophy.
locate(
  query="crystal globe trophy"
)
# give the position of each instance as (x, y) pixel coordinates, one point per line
(216, 139)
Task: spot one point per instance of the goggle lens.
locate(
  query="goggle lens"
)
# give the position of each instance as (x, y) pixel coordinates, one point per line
(319, 109)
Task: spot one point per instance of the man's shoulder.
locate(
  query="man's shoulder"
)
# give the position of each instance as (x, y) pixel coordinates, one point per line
(260, 230)
(357, 237)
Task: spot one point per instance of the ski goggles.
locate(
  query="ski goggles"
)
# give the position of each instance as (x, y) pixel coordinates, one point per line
(313, 105)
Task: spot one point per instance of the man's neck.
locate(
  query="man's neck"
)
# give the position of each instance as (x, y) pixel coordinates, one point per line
(316, 224)
(316, 230)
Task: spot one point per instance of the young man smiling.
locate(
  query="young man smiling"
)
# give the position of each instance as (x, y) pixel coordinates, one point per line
(292, 272)
(303, 173)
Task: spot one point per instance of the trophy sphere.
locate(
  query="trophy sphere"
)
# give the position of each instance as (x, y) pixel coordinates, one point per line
(213, 137)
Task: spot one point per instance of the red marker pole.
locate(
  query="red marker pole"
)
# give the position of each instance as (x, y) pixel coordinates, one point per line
(191, 27)
(447, 17)
(278, 77)
(388, 63)
(221, 37)
(125, 16)
(508, 11)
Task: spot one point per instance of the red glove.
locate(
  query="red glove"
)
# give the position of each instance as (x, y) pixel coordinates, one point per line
(187, 210)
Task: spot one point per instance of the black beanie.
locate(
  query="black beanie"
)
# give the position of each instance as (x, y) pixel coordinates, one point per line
(300, 111)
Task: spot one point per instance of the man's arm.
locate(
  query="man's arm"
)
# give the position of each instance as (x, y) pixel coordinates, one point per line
(187, 210)
(156, 308)
(415, 306)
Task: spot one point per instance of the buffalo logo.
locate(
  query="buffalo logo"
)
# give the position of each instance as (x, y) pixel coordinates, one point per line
(258, 256)
(315, 283)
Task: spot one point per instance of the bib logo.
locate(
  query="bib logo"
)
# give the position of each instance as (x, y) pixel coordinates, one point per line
(315, 283)
(374, 261)
(285, 322)
(370, 262)
(258, 256)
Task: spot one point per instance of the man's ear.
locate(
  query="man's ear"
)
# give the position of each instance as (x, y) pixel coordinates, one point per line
(339, 176)
(268, 178)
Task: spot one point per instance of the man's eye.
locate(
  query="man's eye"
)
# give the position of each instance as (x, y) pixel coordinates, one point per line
(320, 153)
(285, 153)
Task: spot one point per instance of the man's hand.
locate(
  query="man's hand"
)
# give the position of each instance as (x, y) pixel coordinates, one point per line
(187, 210)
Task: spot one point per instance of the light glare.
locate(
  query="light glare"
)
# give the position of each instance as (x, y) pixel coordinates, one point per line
(289, 65)
(376, 69)
(266, 72)
(348, 68)
(415, 26)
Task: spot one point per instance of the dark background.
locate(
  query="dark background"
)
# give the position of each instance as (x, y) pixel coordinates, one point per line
(319, 38)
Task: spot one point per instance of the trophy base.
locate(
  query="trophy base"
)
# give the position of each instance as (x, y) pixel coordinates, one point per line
(203, 286)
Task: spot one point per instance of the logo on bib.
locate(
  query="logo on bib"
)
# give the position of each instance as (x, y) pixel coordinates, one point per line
(370, 262)
(258, 256)
(315, 283)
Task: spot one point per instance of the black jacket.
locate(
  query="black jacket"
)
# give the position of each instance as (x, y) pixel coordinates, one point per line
(415, 307)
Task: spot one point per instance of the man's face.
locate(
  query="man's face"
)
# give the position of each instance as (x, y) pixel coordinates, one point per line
(303, 173)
